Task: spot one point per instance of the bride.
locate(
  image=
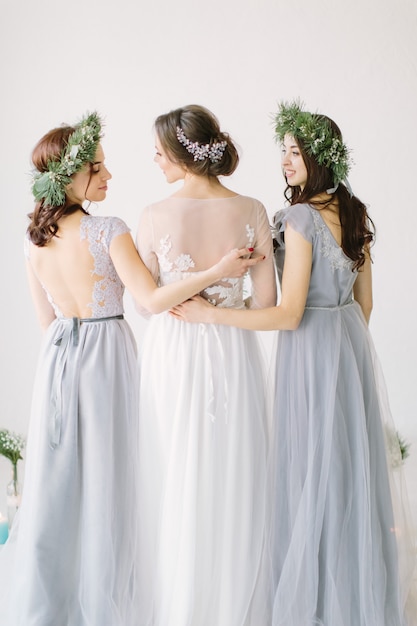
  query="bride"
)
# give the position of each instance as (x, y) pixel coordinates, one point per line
(203, 431)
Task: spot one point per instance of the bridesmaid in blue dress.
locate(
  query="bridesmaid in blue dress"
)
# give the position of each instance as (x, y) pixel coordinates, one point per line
(340, 540)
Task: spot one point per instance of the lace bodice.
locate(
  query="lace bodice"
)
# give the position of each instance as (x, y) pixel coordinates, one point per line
(108, 290)
(332, 278)
(88, 275)
(182, 235)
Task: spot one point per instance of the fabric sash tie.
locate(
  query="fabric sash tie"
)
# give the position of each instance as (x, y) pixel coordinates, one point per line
(330, 308)
(71, 335)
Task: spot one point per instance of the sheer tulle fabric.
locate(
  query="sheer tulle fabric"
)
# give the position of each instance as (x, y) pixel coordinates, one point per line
(342, 552)
(203, 427)
(72, 556)
(202, 475)
(71, 559)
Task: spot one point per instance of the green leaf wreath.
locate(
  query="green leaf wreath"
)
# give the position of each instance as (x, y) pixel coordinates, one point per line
(81, 148)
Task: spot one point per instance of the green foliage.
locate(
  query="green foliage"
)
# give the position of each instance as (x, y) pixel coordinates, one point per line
(317, 137)
(404, 447)
(81, 148)
(398, 450)
(11, 445)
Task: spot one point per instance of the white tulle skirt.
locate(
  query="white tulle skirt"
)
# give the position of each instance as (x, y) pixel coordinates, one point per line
(71, 558)
(202, 471)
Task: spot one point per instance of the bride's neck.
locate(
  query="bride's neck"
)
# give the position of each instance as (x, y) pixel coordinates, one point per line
(202, 187)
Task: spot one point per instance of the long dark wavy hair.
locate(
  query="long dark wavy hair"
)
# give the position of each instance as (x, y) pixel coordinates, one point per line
(358, 230)
(44, 219)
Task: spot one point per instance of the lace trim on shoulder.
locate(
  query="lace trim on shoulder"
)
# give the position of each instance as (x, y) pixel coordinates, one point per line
(329, 248)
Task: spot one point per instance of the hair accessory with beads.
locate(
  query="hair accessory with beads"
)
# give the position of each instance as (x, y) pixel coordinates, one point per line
(318, 138)
(81, 148)
(201, 152)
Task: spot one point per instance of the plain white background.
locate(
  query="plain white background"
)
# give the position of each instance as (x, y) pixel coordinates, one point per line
(132, 60)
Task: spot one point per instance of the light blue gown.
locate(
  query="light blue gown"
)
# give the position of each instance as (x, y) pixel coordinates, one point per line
(341, 547)
(71, 557)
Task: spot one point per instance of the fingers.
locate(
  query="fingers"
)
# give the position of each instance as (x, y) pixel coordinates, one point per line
(176, 311)
(243, 252)
(254, 260)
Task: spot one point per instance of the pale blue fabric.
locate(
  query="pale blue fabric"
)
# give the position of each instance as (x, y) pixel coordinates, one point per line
(333, 529)
(71, 559)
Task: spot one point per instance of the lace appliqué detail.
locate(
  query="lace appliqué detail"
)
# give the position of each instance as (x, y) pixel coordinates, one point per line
(232, 295)
(329, 248)
(227, 296)
(108, 291)
(182, 263)
(250, 234)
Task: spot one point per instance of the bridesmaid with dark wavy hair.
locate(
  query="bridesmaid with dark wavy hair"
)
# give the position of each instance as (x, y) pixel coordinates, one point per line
(341, 546)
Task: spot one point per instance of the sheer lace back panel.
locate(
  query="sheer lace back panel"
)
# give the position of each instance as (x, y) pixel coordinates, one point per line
(182, 235)
(76, 270)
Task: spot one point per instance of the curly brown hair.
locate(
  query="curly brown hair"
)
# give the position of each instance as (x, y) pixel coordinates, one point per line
(44, 218)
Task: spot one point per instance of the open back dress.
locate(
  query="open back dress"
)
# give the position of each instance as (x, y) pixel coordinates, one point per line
(71, 557)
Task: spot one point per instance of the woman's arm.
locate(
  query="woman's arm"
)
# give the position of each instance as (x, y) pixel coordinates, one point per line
(362, 289)
(43, 307)
(286, 316)
(138, 280)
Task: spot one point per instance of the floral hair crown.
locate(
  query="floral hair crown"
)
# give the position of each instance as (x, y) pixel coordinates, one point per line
(201, 152)
(318, 138)
(81, 148)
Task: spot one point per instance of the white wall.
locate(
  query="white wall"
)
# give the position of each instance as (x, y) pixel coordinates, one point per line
(131, 60)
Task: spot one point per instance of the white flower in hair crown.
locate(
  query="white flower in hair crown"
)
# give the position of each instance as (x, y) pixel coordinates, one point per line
(201, 152)
(49, 186)
(318, 138)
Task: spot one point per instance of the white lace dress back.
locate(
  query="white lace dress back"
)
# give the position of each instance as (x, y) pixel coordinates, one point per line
(182, 235)
(203, 427)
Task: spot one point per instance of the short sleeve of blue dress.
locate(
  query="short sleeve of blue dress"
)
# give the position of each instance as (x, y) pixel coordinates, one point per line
(300, 218)
(114, 227)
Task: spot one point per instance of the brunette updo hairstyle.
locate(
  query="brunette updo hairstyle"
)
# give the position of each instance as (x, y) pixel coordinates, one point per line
(198, 124)
(44, 218)
(358, 230)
